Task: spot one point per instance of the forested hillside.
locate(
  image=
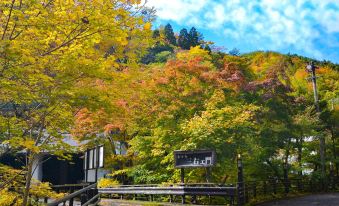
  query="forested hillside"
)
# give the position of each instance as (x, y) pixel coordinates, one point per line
(258, 104)
(98, 72)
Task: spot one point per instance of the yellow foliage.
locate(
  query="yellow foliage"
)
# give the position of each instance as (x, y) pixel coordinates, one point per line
(43, 189)
(106, 182)
(8, 198)
(301, 74)
(53, 54)
(323, 70)
(147, 26)
(194, 52)
(38, 189)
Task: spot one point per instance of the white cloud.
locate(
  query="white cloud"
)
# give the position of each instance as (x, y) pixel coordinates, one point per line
(279, 24)
(177, 10)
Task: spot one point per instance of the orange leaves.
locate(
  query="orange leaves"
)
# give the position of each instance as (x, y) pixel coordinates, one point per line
(108, 128)
(231, 76)
(209, 76)
(90, 123)
(84, 123)
(184, 74)
(122, 103)
(101, 84)
(147, 26)
(162, 80)
(301, 74)
(194, 82)
(180, 68)
(192, 69)
(176, 85)
(323, 70)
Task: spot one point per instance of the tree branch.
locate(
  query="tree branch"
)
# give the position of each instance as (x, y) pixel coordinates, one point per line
(10, 36)
(9, 17)
(63, 44)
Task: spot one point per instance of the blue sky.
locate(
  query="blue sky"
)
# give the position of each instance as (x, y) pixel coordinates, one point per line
(305, 27)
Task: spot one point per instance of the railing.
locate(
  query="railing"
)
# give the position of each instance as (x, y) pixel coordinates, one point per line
(273, 188)
(180, 193)
(253, 190)
(172, 191)
(87, 195)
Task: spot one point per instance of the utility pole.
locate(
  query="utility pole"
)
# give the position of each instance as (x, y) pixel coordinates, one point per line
(311, 69)
(240, 184)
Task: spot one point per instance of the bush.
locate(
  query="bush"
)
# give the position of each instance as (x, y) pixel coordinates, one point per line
(162, 57)
(107, 182)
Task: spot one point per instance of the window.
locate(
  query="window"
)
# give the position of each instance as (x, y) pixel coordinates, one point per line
(95, 159)
(101, 156)
(85, 160)
(90, 160)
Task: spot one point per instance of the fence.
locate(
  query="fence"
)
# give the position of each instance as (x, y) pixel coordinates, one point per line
(196, 193)
(171, 193)
(273, 188)
(86, 195)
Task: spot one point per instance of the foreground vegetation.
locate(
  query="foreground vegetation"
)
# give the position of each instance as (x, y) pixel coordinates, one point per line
(96, 67)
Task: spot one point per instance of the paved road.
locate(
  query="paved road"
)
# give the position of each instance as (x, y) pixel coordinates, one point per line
(331, 199)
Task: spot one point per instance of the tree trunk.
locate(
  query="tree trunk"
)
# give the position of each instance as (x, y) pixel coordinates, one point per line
(334, 150)
(28, 179)
(322, 151)
(276, 172)
(112, 144)
(300, 146)
(286, 167)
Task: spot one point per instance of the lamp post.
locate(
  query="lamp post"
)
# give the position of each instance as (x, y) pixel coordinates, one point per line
(240, 184)
(311, 69)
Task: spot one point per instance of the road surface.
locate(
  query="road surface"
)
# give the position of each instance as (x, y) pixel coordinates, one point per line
(331, 199)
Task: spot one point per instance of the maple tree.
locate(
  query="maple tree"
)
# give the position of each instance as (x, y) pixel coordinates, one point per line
(75, 68)
(55, 57)
(252, 104)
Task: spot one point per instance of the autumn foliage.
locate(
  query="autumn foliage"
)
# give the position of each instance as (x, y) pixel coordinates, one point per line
(74, 67)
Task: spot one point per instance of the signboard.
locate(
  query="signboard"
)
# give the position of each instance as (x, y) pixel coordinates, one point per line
(198, 158)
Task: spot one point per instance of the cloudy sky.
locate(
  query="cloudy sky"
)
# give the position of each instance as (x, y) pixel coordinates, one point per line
(305, 27)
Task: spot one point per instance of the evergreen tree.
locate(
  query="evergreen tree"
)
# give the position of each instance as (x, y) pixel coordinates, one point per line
(207, 48)
(184, 39)
(194, 37)
(156, 34)
(169, 35)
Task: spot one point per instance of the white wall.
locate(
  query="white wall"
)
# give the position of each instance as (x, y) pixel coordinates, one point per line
(37, 168)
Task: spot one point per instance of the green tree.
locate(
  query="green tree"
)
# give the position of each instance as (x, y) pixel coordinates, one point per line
(156, 34)
(169, 35)
(55, 58)
(195, 37)
(184, 39)
(208, 48)
(257, 104)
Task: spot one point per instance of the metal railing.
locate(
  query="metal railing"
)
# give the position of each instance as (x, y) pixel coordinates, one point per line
(173, 191)
(273, 188)
(183, 193)
(87, 195)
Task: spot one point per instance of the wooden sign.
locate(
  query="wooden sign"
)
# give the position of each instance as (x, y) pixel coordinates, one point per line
(197, 158)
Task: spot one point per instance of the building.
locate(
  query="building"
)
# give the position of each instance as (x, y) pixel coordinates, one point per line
(83, 167)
